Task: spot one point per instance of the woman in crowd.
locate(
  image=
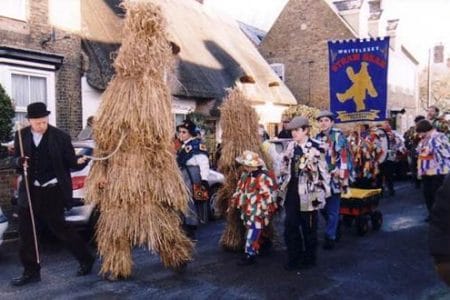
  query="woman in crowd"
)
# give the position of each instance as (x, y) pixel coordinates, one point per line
(192, 158)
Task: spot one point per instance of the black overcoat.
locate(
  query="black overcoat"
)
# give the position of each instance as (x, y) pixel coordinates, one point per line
(62, 155)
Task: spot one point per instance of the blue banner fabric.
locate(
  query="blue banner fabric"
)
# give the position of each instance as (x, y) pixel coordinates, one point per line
(358, 79)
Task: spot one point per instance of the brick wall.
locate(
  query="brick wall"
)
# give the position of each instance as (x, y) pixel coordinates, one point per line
(299, 40)
(28, 35)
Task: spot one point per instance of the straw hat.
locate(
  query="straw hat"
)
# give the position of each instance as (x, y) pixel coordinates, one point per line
(250, 159)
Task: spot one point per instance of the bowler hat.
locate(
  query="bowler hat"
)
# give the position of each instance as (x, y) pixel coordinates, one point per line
(325, 114)
(297, 122)
(189, 126)
(37, 110)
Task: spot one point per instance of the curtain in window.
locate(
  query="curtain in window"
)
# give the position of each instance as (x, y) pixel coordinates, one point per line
(25, 90)
(38, 89)
(20, 90)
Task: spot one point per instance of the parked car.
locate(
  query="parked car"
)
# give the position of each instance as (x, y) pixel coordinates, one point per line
(208, 211)
(84, 216)
(3, 225)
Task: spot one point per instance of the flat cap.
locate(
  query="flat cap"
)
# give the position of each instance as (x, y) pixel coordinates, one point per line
(325, 113)
(297, 122)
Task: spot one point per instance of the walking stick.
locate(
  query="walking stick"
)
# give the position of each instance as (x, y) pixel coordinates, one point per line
(27, 188)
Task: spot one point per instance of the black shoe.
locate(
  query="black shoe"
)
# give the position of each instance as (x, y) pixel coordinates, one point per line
(85, 268)
(26, 278)
(247, 260)
(328, 244)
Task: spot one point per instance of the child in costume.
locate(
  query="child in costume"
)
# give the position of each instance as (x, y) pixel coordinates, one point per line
(255, 197)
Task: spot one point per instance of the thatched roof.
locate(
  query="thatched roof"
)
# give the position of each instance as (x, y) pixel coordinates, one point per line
(214, 53)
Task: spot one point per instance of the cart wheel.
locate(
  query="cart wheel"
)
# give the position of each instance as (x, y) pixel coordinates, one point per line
(362, 225)
(348, 220)
(377, 220)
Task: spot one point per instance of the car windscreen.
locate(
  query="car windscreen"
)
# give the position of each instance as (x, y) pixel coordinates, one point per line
(83, 151)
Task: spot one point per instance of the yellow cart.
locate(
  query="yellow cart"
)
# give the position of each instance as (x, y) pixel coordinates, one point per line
(360, 206)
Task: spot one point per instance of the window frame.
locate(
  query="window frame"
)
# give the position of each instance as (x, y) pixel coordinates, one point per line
(23, 11)
(6, 72)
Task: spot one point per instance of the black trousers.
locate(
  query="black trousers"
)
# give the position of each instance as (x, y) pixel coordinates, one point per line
(430, 186)
(300, 229)
(387, 170)
(48, 207)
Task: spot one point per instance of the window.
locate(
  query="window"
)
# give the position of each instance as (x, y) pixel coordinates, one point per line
(26, 89)
(179, 118)
(14, 9)
(26, 85)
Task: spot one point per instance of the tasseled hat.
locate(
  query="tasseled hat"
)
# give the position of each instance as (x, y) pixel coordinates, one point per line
(189, 126)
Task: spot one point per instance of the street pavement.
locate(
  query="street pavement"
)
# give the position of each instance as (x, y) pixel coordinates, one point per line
(392, 263)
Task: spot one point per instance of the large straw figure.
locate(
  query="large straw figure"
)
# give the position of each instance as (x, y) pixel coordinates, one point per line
(138, 190)
(239, 123)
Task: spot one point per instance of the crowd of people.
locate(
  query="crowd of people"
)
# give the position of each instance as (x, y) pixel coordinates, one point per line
(313, 172)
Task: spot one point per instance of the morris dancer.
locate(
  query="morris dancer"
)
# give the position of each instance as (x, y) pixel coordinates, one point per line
(337, 155)
(307, 185)
(255, 197)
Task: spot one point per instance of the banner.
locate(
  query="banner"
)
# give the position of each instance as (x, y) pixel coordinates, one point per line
(358, 79)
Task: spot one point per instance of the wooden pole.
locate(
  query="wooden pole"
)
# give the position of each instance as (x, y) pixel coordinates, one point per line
(27, 188)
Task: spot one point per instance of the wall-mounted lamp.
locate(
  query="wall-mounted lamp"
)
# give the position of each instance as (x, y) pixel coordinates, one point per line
(52, 38)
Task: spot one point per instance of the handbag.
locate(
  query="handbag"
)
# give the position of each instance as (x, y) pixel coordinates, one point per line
(199, 192)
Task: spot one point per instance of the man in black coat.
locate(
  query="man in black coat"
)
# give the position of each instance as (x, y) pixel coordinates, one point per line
(48, 156)
(439, 232)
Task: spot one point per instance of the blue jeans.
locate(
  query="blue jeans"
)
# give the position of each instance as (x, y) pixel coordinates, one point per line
(252, 239)
(331, 215)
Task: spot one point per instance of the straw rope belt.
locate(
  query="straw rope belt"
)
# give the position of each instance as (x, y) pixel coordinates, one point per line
(122, 138)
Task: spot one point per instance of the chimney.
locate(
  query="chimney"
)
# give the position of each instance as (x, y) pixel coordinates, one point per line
(199, 1)
(448, 62)
(376, 18)
(356, 14)
(391, 31)
(438, 54)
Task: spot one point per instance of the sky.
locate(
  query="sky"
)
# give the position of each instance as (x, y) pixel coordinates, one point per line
(423, 23)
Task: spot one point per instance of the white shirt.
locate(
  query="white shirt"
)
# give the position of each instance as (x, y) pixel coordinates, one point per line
(200, 160)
